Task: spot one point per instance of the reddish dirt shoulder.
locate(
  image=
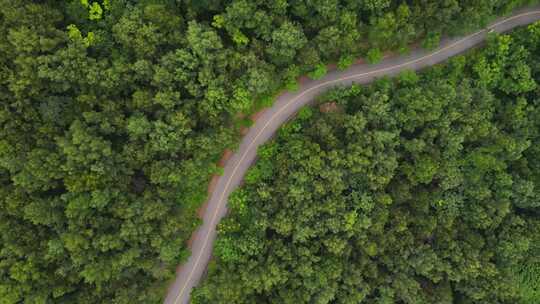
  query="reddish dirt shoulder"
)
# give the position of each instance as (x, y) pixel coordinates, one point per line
(328, 107)
(256, 115)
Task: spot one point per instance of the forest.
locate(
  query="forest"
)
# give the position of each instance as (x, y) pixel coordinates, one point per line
(423, 188)
(114, 114)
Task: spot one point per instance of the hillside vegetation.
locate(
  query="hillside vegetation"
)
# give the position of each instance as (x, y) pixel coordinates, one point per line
(113, 114)
(420, 189)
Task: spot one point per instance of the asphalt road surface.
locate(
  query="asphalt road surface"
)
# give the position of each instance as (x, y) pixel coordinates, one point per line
(189, 274)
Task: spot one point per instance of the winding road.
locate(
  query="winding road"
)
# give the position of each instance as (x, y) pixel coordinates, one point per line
(189, 274)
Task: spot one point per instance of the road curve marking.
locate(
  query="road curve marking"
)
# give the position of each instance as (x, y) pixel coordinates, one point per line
(292, 101)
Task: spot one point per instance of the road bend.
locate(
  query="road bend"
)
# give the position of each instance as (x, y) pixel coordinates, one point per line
(190, 273)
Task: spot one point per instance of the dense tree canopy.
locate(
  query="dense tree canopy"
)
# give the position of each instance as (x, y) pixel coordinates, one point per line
(419, 189)
(113, 114)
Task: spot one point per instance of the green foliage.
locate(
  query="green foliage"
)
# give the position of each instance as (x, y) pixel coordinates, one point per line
(239, 38)
(319, 71)
(345, 62)
(218, 21)
(241, 100)
(422, 189)
(266, 101)
(75, 35)
(305, 113)
(291, 75)
(95, 11)
(528, 276)
(374, 56)
(286, 41)
(408, 77)
(113, 115)
(431, 41)
(376, 5)
(527, 273)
